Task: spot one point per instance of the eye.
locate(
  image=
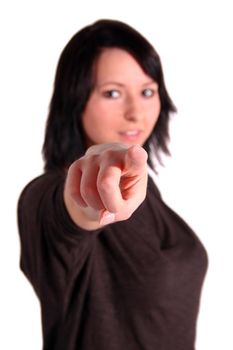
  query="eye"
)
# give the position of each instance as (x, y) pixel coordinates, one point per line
(148, 92)
(111, 94)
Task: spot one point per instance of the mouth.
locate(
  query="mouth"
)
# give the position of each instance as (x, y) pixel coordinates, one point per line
(130, 135)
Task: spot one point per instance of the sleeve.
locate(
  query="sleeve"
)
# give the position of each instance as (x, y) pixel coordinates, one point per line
(52, 246)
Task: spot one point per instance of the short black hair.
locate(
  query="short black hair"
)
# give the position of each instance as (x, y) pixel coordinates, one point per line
(64, 137)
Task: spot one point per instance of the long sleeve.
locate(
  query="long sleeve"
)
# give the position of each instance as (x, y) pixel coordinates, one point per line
(52, 246)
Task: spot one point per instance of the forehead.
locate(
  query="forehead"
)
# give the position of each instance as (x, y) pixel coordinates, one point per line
(115, 64)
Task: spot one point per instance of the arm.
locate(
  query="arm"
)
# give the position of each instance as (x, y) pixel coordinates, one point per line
(106, 185)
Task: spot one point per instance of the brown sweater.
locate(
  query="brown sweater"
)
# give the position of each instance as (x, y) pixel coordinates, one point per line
(133, 285)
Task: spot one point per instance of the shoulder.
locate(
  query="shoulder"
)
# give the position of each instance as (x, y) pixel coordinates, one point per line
(41, 184)
(39, 195)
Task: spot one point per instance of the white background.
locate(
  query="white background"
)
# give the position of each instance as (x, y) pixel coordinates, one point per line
(194, 39)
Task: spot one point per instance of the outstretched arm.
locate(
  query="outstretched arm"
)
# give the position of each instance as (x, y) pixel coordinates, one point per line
(106, 185)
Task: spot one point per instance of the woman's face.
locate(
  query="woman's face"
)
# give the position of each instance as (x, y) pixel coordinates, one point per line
(124, 105)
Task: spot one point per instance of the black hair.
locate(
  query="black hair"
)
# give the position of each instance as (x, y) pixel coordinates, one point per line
(64, 137)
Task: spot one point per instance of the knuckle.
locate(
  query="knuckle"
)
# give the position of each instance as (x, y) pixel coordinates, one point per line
(105, 184)
(91, 197)
(87, 191)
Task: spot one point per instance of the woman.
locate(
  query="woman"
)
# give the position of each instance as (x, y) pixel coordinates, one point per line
(112, 265)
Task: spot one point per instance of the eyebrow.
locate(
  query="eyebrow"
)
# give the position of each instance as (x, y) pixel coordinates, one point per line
(151, 82)
(110, 83)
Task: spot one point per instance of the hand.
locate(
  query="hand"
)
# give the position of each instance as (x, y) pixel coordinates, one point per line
(107, 184)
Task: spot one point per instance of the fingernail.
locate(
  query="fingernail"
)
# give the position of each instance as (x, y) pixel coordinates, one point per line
(107, 218)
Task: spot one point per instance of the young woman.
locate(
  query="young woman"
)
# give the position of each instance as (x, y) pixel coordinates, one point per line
(112, 265)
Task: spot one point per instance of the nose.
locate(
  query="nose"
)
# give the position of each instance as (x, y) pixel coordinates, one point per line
(132, 110)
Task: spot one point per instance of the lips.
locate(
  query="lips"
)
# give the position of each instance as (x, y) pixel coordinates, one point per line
(130, 135)
(130, 132)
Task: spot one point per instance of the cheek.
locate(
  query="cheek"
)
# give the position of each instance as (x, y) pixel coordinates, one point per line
(97, 125)
(157, 111)
(90, 117)
(89, 123)
(153, 113)
(102, 116)
(92, 127)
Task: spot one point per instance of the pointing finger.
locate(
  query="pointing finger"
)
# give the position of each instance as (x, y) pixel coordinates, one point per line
(135, 160)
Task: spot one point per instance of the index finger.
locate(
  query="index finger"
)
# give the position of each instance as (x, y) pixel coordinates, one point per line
(135, 161)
